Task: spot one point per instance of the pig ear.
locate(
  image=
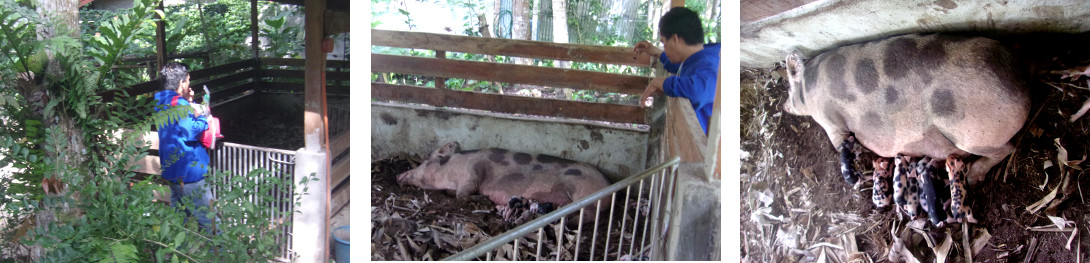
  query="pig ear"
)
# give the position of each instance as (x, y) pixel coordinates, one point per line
(794, 64)
(448, 149)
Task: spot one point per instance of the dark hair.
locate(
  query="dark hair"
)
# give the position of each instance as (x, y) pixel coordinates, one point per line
(684, 23)
(173, 74)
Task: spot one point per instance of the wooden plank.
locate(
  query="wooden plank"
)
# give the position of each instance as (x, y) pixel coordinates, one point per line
(509, 104)
(136, 89)
(338, 145)
(341, 172)
(553, 77)
(753, 10)
(507, 47)
(330, 64)
(234, 90)
(340, 199)
(149, 165)
(330, 89)
(298, 74)
(221, 69)
(684, 136)
(225, 80)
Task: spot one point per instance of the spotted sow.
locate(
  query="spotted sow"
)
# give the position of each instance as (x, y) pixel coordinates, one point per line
(920, 95)
(501, 174)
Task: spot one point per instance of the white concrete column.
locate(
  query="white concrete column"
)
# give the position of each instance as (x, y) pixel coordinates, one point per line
(309, 227)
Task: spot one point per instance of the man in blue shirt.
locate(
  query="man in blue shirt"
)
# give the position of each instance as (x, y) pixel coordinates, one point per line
(181, 155)
(683, 53)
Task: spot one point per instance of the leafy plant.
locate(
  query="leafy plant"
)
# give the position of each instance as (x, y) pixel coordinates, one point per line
(56, 127)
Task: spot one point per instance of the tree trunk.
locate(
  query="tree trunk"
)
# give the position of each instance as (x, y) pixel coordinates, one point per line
(61, 18)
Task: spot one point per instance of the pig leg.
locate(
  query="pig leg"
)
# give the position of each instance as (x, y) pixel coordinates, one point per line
(989, 157)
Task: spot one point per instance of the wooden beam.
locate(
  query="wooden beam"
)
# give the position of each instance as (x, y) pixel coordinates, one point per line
(340, 173)
(340, 198)
(683, 135)
(554, 77)
(294, 62)
(507, 47)
(338, 145)
(160, 40)
(298, 74)
(509, 104)
(247, 64)
(225, 80)
(255, 38)
(310, 228)
(299, 87)
(148, 165)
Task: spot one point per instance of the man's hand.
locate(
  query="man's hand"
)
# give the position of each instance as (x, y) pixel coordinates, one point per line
(654, 86)
(644, 49)
(198, 109)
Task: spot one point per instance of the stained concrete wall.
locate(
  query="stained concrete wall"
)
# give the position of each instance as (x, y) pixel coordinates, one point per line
(695, 216)
(395, 128)
(822, 25)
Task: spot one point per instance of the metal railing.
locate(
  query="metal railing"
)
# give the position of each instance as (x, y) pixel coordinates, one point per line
(239, 160)
(633, 226)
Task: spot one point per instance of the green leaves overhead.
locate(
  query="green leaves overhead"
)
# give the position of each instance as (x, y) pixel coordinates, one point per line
(114, 35)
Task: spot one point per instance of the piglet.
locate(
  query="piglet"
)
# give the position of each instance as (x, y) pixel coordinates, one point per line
(882, 195)
(501, 174)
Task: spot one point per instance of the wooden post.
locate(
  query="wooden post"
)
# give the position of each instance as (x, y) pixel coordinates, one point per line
(160, 41)
(441, 82)
(310, 227)
(676, 3)
(253, 28)
(711, 154)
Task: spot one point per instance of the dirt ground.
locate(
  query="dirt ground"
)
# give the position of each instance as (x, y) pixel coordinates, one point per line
(797, 208)
(409, 223)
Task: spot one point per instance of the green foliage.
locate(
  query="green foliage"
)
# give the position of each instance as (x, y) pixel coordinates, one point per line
(107, 214)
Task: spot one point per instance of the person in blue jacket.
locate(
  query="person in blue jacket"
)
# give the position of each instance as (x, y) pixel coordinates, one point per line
(183, 159)
(683, 53)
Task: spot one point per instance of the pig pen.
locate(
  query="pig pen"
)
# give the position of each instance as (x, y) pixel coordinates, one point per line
(796, 207)
(409, 122)
(260, 106)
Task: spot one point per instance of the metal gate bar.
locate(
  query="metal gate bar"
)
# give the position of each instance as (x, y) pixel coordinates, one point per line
(239, 160)
(659, 173)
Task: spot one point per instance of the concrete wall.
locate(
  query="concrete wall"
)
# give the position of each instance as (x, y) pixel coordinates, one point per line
(822, 25)
(617, 152)
(695, 216)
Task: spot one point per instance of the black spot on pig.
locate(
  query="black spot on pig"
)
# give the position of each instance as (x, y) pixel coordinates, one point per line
(1002, 64)
(892, 94)
(443, 160)
(834, 114)
(498, 156)
(942, 103)
(512, 178)
(872, 120)
(523, 158)
(482, 168)
(866, 76)
(537, 167)
(388, 119)
(898, 58)
(469, 151)
(573, 172)
(835, 67)
(933, 54)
